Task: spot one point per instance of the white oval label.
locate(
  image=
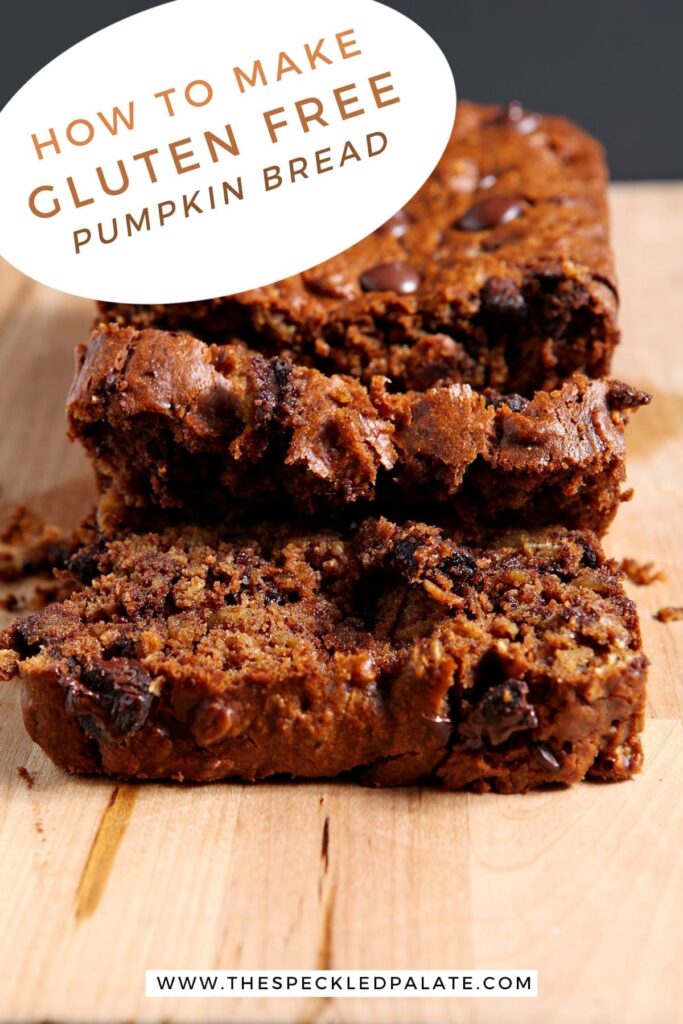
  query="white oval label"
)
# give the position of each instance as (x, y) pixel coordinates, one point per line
(195, 150)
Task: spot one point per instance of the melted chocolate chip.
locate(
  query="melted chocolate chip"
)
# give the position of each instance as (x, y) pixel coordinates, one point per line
(488, 181)
(440, 727)
(546, 757)
(213, 721)
(525, 432)
(159, 744)
(502, 297)
(331, 286)
(514, 402)
(516, 117)
(391, 277)
(502, 711)
(490, 213)
(276, 595)
(396, 225)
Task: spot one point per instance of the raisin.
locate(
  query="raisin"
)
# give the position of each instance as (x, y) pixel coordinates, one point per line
(115, 694)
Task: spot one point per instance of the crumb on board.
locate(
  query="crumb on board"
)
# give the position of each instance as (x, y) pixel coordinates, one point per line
(13, 602)
(8, 665)
(38, 598)
(672, 613)
(25, 774)
(641, 573)
(29, 545)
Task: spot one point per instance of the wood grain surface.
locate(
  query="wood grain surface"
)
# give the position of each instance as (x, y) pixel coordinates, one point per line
(99, 881)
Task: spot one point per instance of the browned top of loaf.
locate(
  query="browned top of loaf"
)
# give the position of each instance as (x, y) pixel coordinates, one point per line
(555, 171)
(468, 260)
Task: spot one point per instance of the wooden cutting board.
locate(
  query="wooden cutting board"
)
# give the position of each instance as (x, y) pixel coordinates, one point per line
(99, 881)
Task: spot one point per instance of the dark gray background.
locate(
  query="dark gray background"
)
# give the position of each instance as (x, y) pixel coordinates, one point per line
(614, 65)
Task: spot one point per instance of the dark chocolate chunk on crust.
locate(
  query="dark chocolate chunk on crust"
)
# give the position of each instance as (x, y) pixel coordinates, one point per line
(392, 654)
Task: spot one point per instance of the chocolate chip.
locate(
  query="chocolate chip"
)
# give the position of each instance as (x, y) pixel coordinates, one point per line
(282, 371)
(403, 555)
(514, 402)
(516, 117)
(123, 647)
(396, 225)
(546, 757)
(490, 213)
(331, 286)
(502, 711)
(391, 277)
(526, 432)
(275, 595)
(590, 556)
(502, 297)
